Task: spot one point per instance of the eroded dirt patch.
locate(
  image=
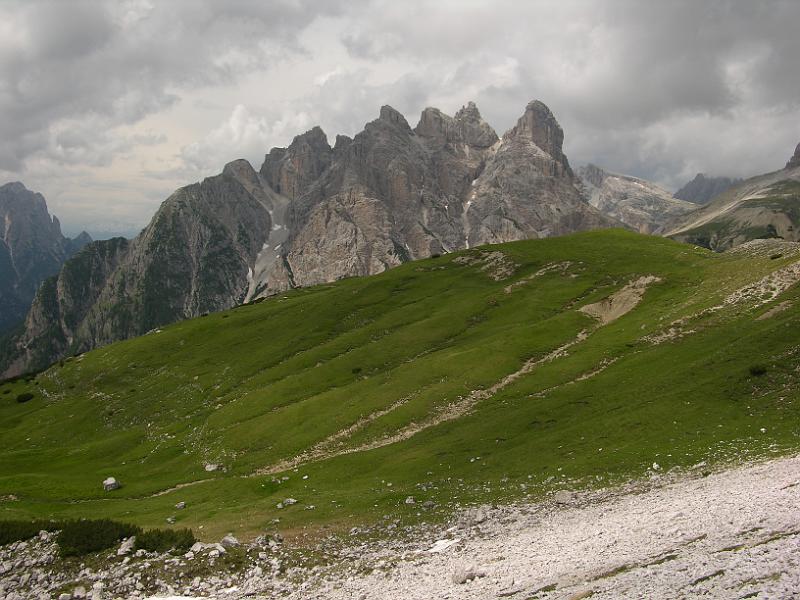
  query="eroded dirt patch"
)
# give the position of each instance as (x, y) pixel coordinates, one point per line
(620, 302)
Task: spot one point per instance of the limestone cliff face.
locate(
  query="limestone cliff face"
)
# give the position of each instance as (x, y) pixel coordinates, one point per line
(641, 205)
(527, 189)
(394, 194)
(192, 258)
(32, 248)
(314, 214)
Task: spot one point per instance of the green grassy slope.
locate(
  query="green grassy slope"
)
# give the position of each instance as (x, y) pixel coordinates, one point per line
(330, 373)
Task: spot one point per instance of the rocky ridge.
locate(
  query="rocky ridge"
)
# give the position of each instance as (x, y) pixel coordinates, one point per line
(313, 214)
(760, 207)
(641, 205)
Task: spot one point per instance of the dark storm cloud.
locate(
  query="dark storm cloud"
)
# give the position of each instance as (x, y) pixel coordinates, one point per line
(658, 89)
(627, 79)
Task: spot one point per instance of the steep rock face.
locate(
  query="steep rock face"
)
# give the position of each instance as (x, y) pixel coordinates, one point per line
(32, 248)
(760, 207)
(314, 214)
(290, 171)
(193, 257)
(528, 190)
(702, 189)
(57, 314)
(639, 204)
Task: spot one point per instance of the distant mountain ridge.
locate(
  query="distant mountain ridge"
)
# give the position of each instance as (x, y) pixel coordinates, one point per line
(313, 214)
(702, 189)
(766, 206)
(641, 205)
(32, 248)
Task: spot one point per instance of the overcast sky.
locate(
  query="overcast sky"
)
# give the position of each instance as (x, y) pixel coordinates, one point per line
(107, 107)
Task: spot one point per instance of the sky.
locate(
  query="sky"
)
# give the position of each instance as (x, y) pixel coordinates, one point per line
(106, 107)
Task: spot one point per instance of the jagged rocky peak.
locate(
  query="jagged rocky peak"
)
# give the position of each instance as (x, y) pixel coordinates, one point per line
(240, 169)
(795, 160)
(394, 117)
(433, 123)
(466, 127)
(539, 125)
(475, 131)
(289, 171)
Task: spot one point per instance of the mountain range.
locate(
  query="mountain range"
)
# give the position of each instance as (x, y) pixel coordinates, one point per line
(32, 248)
(315, 213)
(312, 214)
(639, 204)
(765, 206)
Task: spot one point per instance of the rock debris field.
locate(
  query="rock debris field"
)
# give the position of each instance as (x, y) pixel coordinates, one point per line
(734, 534)
(728, 534)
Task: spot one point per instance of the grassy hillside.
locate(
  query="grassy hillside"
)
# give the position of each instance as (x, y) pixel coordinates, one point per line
(352, 396)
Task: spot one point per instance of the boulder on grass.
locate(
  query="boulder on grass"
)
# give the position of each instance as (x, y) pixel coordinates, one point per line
(110, 484)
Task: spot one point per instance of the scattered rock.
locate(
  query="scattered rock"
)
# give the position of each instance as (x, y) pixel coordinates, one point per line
(464, 574)
(211, 467)
(229, 541)
(180, 505)
(110, 484)
(441, 545)
(563, 497)
(289, 502)
(410, 500)
(126, 546)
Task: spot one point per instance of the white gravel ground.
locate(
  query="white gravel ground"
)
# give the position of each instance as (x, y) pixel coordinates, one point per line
(734, 534)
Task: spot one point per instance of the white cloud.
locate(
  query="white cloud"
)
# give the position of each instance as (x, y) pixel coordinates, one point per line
(242, 135)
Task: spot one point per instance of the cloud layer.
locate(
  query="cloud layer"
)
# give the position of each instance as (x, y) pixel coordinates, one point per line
(106, 106)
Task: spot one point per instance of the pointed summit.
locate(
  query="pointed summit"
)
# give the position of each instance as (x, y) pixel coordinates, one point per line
(469, 112)
(395, 117)
(475, 131)
(466, 127)
(540, 126)
(289, 171)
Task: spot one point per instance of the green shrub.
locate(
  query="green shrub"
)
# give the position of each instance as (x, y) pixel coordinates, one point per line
(163, 540)
(6, 391)
(758, 370)
(15, 531)
(82, 537)
(24, 397)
